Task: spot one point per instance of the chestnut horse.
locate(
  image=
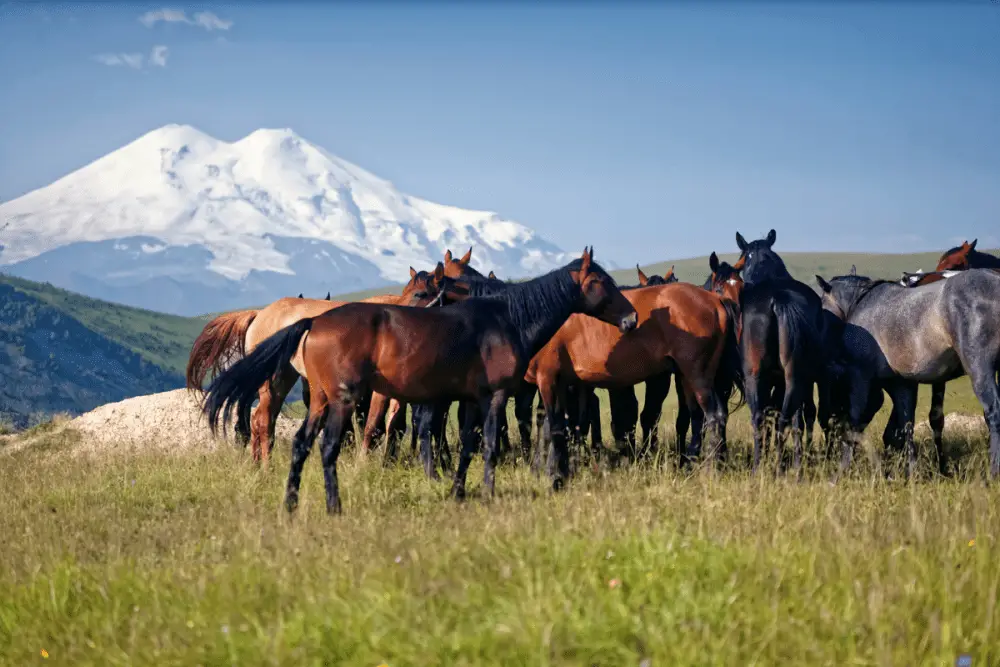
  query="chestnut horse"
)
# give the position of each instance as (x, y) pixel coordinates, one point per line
(476, 350)
(682, 328)
(230, 337)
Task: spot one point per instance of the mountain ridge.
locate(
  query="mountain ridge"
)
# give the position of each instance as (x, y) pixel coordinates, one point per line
(182, 222)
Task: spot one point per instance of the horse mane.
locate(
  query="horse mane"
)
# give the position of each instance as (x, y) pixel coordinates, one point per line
(863, 286)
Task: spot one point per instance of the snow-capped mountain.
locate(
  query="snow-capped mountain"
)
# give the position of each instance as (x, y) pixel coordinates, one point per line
(180, 222)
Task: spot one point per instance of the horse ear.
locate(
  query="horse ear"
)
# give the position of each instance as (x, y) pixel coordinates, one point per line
(413, 273)
(772, 236)
(740, 263)
(300, 295)
(327, 296)
(713, 262)
(492, 276)
(447, 256)
(854, 270)
(823, 285)
(643, 279)
(585, 262)
(972, 246)
(669, 274)
(438, 272)
(741, 242)
(467, 257)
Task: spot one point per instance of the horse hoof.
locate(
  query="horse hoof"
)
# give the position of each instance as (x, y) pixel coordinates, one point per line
(558, 485)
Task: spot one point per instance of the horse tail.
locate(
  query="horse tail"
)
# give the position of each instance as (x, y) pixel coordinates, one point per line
(730, 372)
(797, 329)
(221, 341)
(238, 385)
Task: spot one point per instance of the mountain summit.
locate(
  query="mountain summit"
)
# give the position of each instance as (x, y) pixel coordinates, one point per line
(181, 222)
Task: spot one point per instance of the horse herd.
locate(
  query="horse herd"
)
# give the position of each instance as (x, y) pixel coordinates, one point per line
(454, 335)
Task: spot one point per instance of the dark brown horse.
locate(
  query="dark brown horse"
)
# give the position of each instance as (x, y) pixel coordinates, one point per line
(476, 350)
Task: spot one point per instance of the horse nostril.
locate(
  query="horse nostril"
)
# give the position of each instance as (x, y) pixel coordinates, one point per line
(629, 321)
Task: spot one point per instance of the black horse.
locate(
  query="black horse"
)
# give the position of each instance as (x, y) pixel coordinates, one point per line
(783, 345)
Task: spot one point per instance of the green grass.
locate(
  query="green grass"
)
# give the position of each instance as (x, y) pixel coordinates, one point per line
(189, 559)
(164, 340)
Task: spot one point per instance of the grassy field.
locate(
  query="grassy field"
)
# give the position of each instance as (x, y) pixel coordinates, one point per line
(146, 559)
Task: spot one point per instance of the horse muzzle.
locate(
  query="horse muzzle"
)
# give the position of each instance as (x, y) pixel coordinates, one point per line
(628, 322)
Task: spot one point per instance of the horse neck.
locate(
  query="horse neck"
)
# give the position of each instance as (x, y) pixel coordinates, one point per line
(537, 308)
(983, 260)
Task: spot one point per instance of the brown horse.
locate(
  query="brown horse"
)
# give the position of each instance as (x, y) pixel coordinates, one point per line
(476, 350)
(231, 336)
(682, 328)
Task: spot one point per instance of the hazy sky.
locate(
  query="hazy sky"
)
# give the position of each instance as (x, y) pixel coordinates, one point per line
(649, 131)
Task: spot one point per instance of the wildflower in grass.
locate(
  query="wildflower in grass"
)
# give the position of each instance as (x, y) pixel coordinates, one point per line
(972, 542)
(614, 583)
(190, 623)
(45, 654)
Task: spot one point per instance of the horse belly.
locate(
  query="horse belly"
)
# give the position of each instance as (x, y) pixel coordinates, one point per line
(928, 368)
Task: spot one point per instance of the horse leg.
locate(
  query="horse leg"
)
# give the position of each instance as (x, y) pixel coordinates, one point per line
(657, 389)
(808, 423)
(904, 404)
(524, 399)
(491, 406)
(337, 421)
(423, 425)
(503, 435)
(936, 419)
(301, 446)
(556, 432)
(860, 390)
(468, 414)
(624, 414)
(395, 428)
(440, 426)
(378, 407)
(985, 385)
(758, 395)
(792, 413)
(596, 425)
(278, 388)
(682, 423)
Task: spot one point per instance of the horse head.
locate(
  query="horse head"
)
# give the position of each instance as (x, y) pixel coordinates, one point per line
(957, 258)
(600, 296)
(725, 279)
(759, 261)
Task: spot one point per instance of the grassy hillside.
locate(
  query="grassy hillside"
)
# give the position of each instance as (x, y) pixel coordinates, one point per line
(50, 361)
(162, 340)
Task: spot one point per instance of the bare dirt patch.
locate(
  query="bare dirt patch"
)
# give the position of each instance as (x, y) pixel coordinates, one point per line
(170, 420)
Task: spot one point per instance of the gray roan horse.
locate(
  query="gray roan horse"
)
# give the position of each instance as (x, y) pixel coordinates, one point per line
(896, 338)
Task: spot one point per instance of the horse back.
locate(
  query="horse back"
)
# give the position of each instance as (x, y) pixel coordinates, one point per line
(282, 313)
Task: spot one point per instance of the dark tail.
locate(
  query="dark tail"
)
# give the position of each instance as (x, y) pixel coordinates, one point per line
(238, 385)
(797, 328)
(730, 372)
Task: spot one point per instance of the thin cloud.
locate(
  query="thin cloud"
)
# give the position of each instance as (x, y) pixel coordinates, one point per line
(133, 60)
(158, 56)
(206, 20)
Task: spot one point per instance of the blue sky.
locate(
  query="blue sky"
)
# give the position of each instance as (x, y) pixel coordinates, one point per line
(651, 131)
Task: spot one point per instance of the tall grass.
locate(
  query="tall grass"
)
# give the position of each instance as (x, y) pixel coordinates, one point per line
(151, 559)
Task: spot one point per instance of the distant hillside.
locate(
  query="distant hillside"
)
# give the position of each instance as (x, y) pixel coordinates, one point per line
(53, 361)
(162, 340)
(802, 265)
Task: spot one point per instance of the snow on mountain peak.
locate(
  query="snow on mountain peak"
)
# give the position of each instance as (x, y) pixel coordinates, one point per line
(248, 218)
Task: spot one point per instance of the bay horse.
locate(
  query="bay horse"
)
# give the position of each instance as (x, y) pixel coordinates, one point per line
(896, 338)
(965, 257)
(229, 337)
(476, 350)
(681, 327)
(782, 345)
